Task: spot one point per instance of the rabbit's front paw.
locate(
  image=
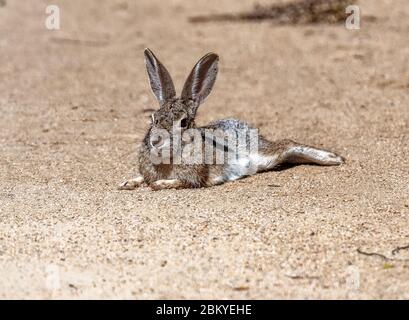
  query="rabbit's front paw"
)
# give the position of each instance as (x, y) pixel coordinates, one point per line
(131, 184)
(166, 184)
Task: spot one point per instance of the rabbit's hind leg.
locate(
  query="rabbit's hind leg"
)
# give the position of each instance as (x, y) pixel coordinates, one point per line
(309, 155)
(288, 151)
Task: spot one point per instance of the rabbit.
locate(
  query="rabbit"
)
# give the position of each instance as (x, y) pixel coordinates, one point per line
(182, 111)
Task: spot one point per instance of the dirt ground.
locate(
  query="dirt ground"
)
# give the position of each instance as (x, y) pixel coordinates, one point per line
(75, 103)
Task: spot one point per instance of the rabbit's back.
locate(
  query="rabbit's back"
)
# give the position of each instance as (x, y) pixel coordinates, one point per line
(244, 159)
(229, 125)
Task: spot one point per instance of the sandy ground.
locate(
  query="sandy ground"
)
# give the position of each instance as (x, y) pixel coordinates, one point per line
(75, 104)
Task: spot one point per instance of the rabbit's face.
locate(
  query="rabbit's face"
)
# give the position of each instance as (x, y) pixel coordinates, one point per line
(177, 114)
(172, 117)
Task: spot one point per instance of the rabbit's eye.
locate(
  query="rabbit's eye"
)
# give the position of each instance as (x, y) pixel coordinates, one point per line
(183, 123)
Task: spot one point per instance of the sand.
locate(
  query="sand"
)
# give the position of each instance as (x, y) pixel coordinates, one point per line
(75, 103)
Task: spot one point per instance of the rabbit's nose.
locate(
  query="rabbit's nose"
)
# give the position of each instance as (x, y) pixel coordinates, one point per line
(156, 141)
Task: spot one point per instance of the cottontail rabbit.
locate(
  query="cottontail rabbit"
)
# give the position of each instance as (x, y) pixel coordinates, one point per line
(176, 117)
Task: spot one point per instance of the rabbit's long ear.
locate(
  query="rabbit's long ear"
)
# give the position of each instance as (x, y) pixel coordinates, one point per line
(201, 79)
(159, 78)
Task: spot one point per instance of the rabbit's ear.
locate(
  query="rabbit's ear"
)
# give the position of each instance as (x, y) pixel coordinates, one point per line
(201, 79)
(159, 78)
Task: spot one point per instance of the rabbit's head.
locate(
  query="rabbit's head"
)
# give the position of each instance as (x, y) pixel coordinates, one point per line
(177, 113)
